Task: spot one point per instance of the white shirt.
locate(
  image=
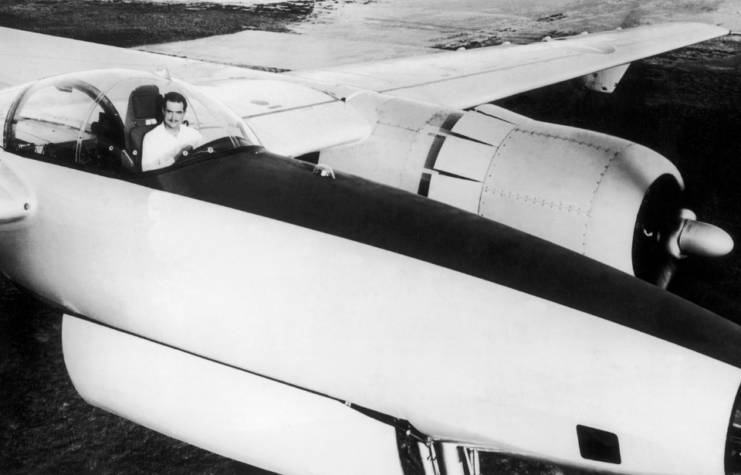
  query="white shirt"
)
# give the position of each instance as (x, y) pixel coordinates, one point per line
(160, 146)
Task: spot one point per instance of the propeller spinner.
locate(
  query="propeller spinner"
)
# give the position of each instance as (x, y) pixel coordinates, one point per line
(665, 234)
(692, 237)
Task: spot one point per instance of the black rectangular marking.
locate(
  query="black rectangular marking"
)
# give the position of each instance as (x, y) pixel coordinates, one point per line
(599, 445)
(424, 185)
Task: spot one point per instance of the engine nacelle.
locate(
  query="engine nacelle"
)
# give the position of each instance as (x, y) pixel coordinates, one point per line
(579, 189)
(598, 195)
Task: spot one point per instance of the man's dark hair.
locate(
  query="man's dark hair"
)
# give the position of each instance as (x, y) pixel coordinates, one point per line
(175, 97)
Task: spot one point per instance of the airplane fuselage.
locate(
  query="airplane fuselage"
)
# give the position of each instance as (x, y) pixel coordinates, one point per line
(253, 261)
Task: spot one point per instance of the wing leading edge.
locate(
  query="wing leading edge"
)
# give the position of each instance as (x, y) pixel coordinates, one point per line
(463, 79)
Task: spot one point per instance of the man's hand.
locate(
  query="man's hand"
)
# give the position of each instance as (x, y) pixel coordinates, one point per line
(183, 152)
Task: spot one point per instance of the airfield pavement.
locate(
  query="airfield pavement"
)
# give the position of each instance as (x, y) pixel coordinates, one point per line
(685, 105)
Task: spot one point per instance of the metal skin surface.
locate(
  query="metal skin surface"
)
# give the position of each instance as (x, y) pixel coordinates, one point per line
(292, 119)
(454, 79)
(463, 79)
(321, 309)
(223, 409)
(579, 189)
(418, 146)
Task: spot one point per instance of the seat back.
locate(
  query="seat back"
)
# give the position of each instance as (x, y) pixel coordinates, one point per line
(143, 114)
(105, 151)
(108, 129)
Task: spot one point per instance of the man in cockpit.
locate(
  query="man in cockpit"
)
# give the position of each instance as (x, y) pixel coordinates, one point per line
(163, 144)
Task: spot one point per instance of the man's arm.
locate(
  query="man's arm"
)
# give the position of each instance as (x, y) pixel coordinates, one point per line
(193, 140)
(197, 138)
(156, 155)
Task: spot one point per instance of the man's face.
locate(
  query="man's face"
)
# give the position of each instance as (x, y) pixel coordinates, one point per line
(174, 112)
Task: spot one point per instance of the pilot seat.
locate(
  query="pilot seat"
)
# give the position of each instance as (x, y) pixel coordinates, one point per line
(104, 150)
(143, 114)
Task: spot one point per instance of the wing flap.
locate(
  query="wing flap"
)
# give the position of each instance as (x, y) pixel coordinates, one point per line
(284, 51)
(464, 79)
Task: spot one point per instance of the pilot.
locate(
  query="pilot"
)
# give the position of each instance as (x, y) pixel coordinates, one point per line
(164, 143)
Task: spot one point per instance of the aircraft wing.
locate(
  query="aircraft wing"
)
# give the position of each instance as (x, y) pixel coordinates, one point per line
(463, 79)
(458, 79)
(27, 56)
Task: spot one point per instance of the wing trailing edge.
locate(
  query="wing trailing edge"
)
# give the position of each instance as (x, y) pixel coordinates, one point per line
(281, 51)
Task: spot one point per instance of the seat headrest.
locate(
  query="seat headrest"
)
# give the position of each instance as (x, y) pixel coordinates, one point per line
(146, 102)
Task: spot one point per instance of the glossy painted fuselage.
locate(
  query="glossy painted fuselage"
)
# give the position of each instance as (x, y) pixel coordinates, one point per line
(472, 331)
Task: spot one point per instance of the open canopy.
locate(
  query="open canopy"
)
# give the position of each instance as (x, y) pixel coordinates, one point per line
(100, 118)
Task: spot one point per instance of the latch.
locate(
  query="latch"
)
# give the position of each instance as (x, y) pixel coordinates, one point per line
(324, 171)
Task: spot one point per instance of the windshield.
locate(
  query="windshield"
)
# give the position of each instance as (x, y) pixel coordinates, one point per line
(118, 120)
(7, 98)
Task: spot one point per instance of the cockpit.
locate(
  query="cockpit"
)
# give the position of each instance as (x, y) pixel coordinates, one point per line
(99, 119)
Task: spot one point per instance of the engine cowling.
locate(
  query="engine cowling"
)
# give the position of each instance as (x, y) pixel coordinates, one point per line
(579, 189)
(601, 196)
